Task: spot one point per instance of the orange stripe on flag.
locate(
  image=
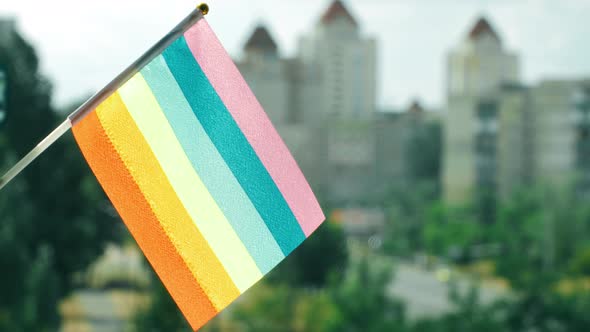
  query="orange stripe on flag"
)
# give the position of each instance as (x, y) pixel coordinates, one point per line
(153, 183)
(141, 221)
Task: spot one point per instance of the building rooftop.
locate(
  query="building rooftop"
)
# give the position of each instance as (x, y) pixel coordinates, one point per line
(261, 40)
(482, 27)
(416, 107)
(337, 10)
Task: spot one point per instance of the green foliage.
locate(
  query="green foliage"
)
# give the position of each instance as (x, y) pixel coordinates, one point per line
(520, 230)
(294, 286)
(407, 214)
(306, 268)
(548, 311)
(470, 316)
(536, 308)
(162, 314)
(540, 231)
(268, 309)
(358, 302)
(363, 300)
(424, 154)
(532, 252)
(580, 263)
(41, 290)
(407, 205)
(538, 239)
(318, 312)
(27, 99)
(54, 216)
(450, 232)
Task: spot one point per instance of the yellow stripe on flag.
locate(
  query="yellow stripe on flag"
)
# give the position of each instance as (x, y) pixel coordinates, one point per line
(149, 176)
(192, 192)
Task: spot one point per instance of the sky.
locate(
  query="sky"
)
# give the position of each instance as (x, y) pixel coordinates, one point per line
(84, 44)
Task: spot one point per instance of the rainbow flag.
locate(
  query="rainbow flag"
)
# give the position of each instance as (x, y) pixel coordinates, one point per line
(197, 172)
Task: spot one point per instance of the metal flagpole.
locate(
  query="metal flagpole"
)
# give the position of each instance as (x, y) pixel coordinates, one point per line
(99, 97)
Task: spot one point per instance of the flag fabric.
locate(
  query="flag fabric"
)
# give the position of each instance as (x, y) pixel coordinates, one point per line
(198, 174)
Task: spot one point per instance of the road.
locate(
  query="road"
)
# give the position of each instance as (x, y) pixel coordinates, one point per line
(426, 295)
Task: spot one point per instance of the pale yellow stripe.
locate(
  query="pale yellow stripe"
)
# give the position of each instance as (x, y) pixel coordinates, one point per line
(208, 217)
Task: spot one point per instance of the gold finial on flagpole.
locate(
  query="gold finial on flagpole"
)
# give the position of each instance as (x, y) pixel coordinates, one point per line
(204, 8)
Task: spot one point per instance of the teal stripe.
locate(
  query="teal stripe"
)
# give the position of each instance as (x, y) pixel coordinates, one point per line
(211, 167)
(233, 146)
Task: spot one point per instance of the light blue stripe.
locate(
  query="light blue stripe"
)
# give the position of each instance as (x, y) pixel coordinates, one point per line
(211, 167)
(233, 146)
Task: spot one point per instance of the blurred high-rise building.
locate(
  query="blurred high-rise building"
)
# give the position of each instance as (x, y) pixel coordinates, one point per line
(478, 69)
(267, 73)
(501, 135)
(346, 62)
(562, 132)
(323, 103)
(287, 91)
(480, 63)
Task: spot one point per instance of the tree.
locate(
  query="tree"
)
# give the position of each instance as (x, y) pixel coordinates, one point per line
(162, 314)
(289, 287)
(542, 236)
(357, 302)
(536, 307)
(451, 232)
(364, 301)
(55, 218)
(321, 256)
(424, 154)
(407, 213)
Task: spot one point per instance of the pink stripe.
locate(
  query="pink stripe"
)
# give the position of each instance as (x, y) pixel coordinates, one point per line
(254, 123)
